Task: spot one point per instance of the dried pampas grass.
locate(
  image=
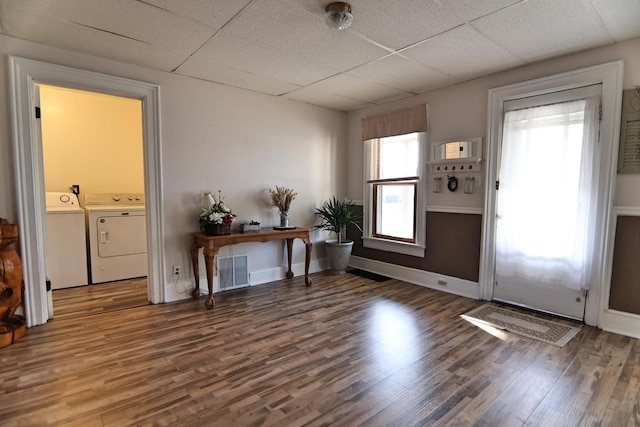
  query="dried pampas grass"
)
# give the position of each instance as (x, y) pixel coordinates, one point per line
(282, 197)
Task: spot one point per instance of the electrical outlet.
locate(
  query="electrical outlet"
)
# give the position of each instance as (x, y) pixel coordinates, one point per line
(176, 270)
(75, 189)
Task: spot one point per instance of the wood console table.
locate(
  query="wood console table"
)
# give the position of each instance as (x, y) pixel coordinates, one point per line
(212, 245)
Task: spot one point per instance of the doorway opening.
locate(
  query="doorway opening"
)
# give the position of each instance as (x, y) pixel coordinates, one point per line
(92, 143)
(25, 75)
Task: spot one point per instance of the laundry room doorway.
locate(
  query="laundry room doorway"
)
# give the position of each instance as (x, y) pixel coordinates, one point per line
(92, 144)
(25, 76)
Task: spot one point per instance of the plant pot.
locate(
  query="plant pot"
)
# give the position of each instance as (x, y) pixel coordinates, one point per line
(217, 229)
(338, 255)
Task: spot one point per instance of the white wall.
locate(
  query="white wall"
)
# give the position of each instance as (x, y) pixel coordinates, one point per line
(214, 137)
(460, 111)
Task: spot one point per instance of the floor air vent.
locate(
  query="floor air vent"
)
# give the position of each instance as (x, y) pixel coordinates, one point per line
(233, 272)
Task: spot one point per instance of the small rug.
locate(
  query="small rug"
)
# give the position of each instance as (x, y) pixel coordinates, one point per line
(368, 275)
(522, 324)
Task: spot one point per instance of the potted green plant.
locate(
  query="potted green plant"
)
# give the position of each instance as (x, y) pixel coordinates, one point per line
(335, 217)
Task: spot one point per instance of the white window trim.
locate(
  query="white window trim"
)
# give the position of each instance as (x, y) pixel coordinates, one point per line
(413, 249)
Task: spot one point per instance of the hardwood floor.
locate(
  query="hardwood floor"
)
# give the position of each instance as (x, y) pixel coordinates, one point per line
(346, 351)
(94, 299)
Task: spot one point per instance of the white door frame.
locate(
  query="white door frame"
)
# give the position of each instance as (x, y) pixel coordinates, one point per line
(24, 74)
(610, 75)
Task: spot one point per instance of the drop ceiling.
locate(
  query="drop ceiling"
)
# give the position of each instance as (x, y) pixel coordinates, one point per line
(393, 50)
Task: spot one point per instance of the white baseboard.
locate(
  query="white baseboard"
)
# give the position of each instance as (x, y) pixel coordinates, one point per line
(621, 323)
(454, 285)
(181, 289)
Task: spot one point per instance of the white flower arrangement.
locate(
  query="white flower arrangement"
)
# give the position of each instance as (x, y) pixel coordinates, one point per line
(214, 211)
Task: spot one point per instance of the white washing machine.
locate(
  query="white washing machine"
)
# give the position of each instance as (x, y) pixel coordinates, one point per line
(117, 229)
(66, 256)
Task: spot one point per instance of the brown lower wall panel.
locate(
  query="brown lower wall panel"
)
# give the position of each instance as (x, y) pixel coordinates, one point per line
(453, 246)
(625, 276)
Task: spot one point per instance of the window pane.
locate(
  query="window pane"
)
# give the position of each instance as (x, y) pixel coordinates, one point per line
(398, 156)
(395, 210)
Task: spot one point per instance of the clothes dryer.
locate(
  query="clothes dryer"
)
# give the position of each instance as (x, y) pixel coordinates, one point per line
(66, 255)
(116, 225)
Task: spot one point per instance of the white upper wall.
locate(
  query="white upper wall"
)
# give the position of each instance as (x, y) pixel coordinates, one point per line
(213, 137)
(460, 111)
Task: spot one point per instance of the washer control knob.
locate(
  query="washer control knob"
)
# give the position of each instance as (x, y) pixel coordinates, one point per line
(65, 198)
(130, 198)
(116, 198)
(137, 197)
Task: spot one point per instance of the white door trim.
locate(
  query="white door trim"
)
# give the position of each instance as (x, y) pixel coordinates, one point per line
(610, 75)
(24, 73)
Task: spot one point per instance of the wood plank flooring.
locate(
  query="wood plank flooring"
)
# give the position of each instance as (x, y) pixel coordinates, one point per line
(72, 303)
(346, 351)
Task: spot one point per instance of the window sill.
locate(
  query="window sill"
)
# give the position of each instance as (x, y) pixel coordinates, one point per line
(393, 246)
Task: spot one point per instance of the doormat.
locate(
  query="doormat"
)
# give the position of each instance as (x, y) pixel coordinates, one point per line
(523, 324)
(368, 275)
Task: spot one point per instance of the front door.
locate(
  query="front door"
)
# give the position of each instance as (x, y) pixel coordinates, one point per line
(546, 201)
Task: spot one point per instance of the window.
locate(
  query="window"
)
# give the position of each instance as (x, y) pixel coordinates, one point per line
(394, 184)
(394, 213)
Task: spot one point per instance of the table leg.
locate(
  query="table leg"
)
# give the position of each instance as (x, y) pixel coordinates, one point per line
(196, 269)
(308, 245)
(289, 256)
(210, 265)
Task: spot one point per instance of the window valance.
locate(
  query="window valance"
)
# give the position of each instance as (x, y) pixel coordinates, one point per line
(398, 122)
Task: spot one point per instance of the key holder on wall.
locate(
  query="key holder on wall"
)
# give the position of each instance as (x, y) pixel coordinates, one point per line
(461, 156)
(454, 157)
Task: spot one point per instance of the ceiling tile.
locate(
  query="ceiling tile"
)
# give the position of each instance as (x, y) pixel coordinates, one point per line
(128, 18)
(356, 88)
(301, 34)
(462, 53)
(316, 96)
(622, 21)
(213, 14)
(221, 73)
(402, 73)
(243, 54)
(81, 39)
(539, 29)
(468, 10)
(401, 23)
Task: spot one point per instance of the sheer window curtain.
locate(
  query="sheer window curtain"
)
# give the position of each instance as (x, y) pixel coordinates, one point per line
(547, 199)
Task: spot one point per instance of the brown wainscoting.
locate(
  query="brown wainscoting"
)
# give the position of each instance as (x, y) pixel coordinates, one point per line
(453, 246)
(625, 276)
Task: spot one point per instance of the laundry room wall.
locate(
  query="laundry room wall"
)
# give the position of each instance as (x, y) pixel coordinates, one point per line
(92, 140)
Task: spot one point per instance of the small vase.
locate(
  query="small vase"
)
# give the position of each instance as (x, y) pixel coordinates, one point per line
(284, 219)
